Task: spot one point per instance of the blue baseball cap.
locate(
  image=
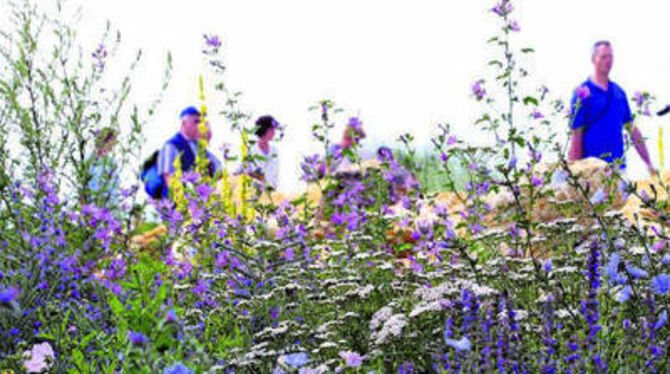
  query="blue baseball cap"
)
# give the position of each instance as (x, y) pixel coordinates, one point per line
(191, 110)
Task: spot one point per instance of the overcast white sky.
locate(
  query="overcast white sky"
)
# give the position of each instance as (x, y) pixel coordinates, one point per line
(401, 65)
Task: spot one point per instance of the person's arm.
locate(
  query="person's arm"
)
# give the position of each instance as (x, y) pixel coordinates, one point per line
(165, 162)
(576, 145)
(577, 123)
(641, 148)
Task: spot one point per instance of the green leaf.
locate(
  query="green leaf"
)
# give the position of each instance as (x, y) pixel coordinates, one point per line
(530, 100)
(116, 306)
(527, 50)
(78, 360)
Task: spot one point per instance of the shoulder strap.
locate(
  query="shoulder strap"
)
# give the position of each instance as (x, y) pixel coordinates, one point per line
(182, 146)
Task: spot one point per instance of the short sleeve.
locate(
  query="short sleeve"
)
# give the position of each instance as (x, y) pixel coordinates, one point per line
(577, 116)
(166, 158)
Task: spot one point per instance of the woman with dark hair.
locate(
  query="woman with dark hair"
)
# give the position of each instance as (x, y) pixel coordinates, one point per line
(265, 154)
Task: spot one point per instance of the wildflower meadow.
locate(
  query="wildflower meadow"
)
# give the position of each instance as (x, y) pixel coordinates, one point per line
(496, 257)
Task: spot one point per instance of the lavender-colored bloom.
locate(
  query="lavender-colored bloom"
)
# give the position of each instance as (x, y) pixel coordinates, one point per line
(137, 338)
(354, 122)
(636, 272)
(213, 41)
(406, 368)
(612, 268)
(204, 191)
(289, 254)
(583, 92)
(559, 177)
(623, 295)
(514, 26)
(661, 284)
(296, 360)
(638, 98)
(99, 56)
(547, 265)
(503, 8)
(9, 295)
(666, 260)
(536, 181)
(598, 197)
(662, 320)
(171, 316)
(478, 90)
(463, 344)
(178, 368)
(537, 114)
(352, 359)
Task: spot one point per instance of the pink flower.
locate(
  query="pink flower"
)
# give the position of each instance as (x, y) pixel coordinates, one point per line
(583, 92)
(41, 357)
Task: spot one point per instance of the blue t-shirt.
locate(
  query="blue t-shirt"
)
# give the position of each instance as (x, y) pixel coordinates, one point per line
(602, 115)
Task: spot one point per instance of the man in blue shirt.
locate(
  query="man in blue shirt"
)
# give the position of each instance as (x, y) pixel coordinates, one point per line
(187, 137)
(600, 113)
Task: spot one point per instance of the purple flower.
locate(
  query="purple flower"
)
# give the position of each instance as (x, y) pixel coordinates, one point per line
(661, 284)
(171, 316)
(478, 90)
(583, 92)
(547, 265)
(514, 26)
(213, 41)
(338, 218)
(99, 55)
(204, 191)
(178, 368)
(352, 359)
(289, 254)
(537, 114)
(638, 97)
(636, 272)
(503, 8)
(612, 267)
(662, 320)
(623, 295)
(354, 123)
(598, 197)
(536, 181)
(190, 177)
(406, 368)
(137, 338)
(463, 344)
(296, 360)
(9, 295)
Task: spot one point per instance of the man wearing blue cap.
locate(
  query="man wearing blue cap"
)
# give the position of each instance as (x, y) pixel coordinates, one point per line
(185, 142)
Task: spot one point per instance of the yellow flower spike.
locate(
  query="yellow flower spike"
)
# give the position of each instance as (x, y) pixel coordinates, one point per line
(176, 186)
(202, 87)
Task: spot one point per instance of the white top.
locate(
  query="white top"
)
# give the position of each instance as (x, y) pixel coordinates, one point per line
(269, 166)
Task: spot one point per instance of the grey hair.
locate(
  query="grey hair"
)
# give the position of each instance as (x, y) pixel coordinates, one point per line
(597, 44)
